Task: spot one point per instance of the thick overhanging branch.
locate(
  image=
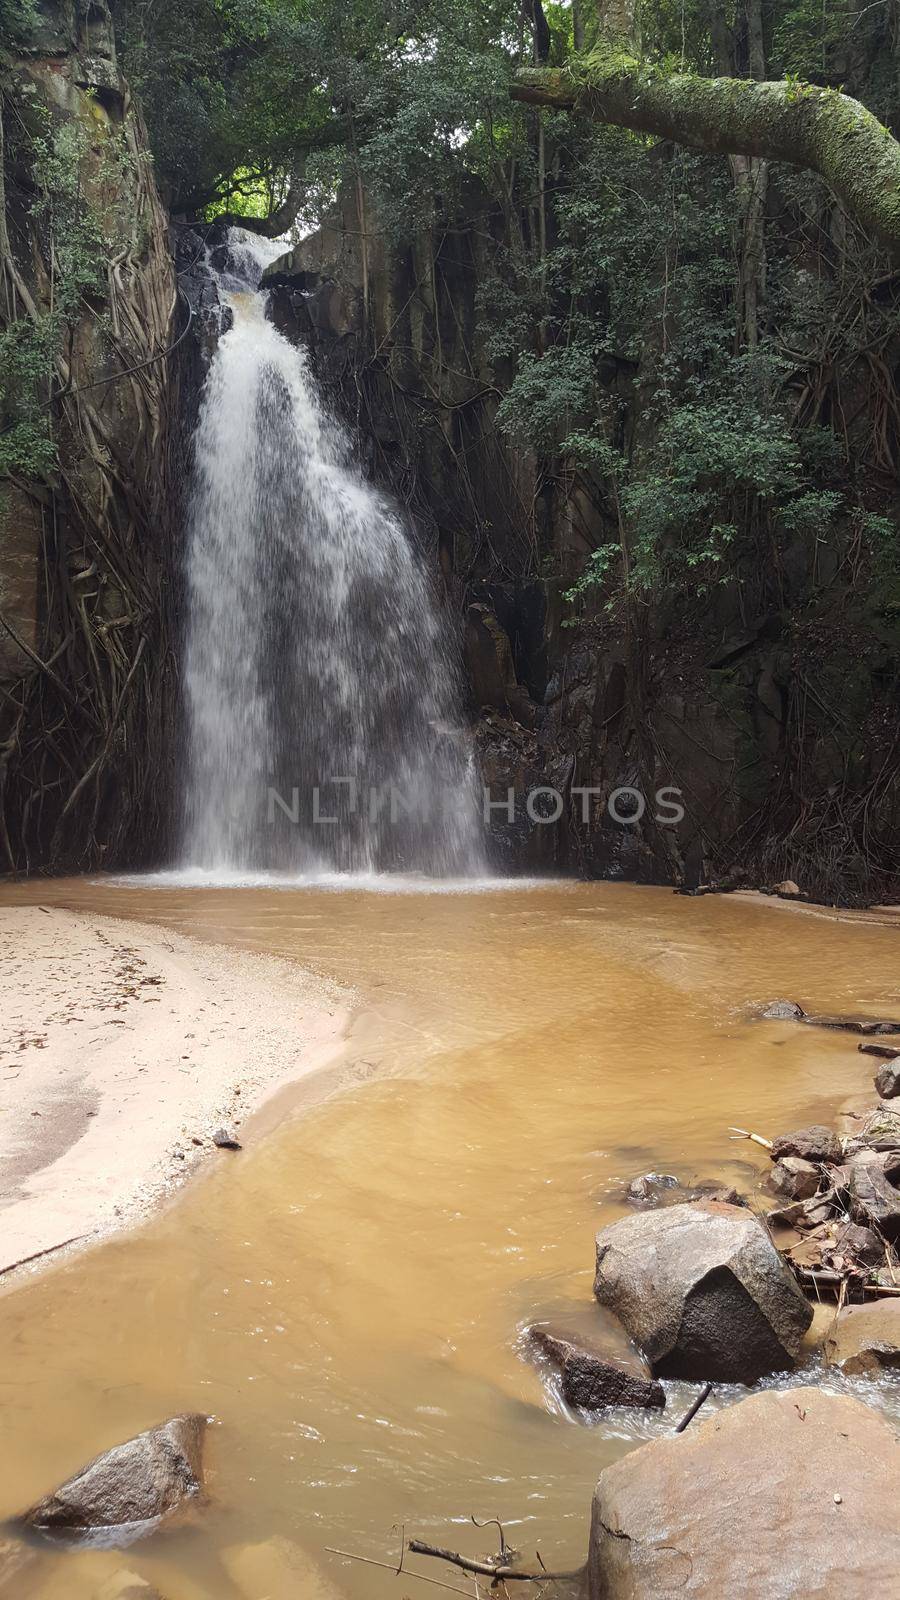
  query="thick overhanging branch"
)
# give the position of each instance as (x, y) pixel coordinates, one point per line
(810, 127)
(284, 216)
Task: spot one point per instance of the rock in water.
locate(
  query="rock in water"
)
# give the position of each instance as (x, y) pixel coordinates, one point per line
(128, 1586)
(139, 1481)
(887, 1052)
(887, 1080)
(785, 1496)
(782, 1011)
(703, 1292)
(649, 1189)
(866, 1339)
(809, 1144)
(595, 1376)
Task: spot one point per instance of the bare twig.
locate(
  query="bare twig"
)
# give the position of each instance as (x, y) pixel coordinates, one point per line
(487, 1569)
(694, 1407)
(757, 1138)
(388, 1566)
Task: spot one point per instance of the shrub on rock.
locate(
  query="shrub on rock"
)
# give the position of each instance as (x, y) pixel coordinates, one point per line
(703, 1292)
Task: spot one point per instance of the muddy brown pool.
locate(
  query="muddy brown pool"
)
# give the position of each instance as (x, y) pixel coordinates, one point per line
(345, 1297)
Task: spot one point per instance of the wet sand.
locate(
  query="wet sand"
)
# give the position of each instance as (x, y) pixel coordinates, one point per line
(122, 1049)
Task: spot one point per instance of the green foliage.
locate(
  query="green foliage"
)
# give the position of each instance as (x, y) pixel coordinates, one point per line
(78, 235)
(18, 19)
(613, 293)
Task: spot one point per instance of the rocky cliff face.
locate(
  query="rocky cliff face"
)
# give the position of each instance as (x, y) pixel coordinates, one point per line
(89, 312)
(767, 705)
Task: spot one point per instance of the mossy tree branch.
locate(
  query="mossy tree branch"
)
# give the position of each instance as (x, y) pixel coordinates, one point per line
(810, 127)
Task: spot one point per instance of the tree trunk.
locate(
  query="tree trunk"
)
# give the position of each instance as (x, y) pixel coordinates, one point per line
(816, 128)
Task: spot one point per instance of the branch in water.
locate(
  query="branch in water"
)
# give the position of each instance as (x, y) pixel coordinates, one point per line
(487, 1569)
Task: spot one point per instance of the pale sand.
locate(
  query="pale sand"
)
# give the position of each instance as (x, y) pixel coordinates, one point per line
(122, 1044)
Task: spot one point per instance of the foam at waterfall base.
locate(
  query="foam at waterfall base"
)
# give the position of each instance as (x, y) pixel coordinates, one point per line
(338, 882)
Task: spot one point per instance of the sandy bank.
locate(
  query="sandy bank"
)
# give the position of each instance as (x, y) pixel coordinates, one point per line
(122, 1048)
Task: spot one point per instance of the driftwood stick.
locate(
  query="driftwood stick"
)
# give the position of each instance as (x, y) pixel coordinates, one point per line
(757, 1138)
(694, 1407)
(388, 1566)
(486, 1569)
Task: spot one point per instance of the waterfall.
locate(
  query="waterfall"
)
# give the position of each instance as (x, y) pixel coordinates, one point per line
(322, 715)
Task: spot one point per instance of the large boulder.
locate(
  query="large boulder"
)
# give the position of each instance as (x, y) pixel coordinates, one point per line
(703, 1292)
(866, 1339)
(598, 1372)
(139, 1481)
(788, 1495)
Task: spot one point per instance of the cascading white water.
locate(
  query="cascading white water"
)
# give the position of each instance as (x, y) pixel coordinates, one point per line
(319, 682)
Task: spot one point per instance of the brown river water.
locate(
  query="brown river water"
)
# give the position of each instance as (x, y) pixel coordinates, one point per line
(346, 1297)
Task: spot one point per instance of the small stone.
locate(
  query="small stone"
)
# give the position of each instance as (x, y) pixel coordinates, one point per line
(787, 886)
(795, 1178)
(838, 1500)
(226, 1139)
(887, 1080)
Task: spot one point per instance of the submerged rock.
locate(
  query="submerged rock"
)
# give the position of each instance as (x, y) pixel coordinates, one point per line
(790, 1011)
(782, 1011)
(128, 1586)
(597, 1374)
(723, 1193)
(703, 1292)
(139, 1481)
(866, 1339)
(785, 1495)
(650, 1188)
(887, 1052)
(815, 1143)
(867, 1025)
